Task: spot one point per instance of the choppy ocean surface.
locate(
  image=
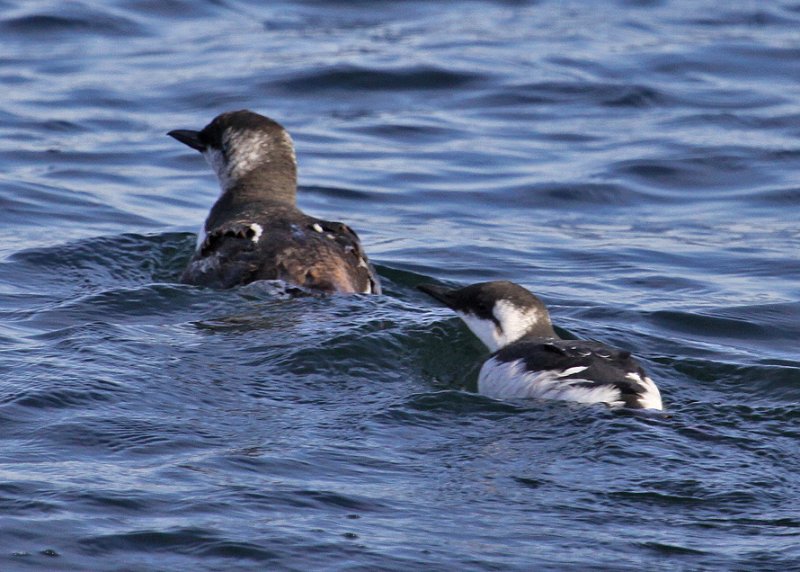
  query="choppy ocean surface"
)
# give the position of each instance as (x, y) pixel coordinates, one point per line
(636, 163)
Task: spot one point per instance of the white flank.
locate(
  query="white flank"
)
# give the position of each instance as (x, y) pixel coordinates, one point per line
(258, 230)
(651, 398)
(510, 380)
(316, 226)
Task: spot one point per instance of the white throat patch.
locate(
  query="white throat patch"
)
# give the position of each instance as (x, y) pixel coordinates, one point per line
(485, 330)
(514, 323)
(216, 159)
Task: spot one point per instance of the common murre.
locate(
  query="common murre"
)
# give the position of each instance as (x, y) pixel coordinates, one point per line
(255, 230)
(530, 360)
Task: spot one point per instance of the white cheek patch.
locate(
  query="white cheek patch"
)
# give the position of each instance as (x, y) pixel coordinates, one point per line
(246, 150)
(249, 149)
(514, 321)
(513, 324)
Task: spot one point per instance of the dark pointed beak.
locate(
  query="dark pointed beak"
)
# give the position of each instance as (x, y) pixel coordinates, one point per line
(444, 295)
(188, 137)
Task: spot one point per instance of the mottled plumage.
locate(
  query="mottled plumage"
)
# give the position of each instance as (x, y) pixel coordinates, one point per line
(255, 230)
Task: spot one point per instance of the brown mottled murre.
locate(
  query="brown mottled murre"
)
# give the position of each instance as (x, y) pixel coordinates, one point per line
(255, 230)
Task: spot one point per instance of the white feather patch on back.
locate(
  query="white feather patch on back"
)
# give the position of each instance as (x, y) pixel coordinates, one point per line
(258, 230)
(510, 380)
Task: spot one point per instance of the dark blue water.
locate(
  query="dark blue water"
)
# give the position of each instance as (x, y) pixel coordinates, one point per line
(636, 163)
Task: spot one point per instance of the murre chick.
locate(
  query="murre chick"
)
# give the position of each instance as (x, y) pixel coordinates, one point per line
(530, 360)
(255, 230)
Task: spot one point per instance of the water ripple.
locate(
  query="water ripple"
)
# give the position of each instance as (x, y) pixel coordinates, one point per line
(634, 163)
(384, 80)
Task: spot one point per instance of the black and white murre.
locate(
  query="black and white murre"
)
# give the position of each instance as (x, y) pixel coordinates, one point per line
(530, 360)
(255, 230)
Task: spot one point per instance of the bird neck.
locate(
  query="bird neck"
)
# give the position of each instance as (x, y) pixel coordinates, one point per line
(266, 186)
(243, 202)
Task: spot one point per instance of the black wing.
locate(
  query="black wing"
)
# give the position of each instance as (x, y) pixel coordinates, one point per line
(317, 254)
(227, 257)
(350, 246)
(603, 365)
